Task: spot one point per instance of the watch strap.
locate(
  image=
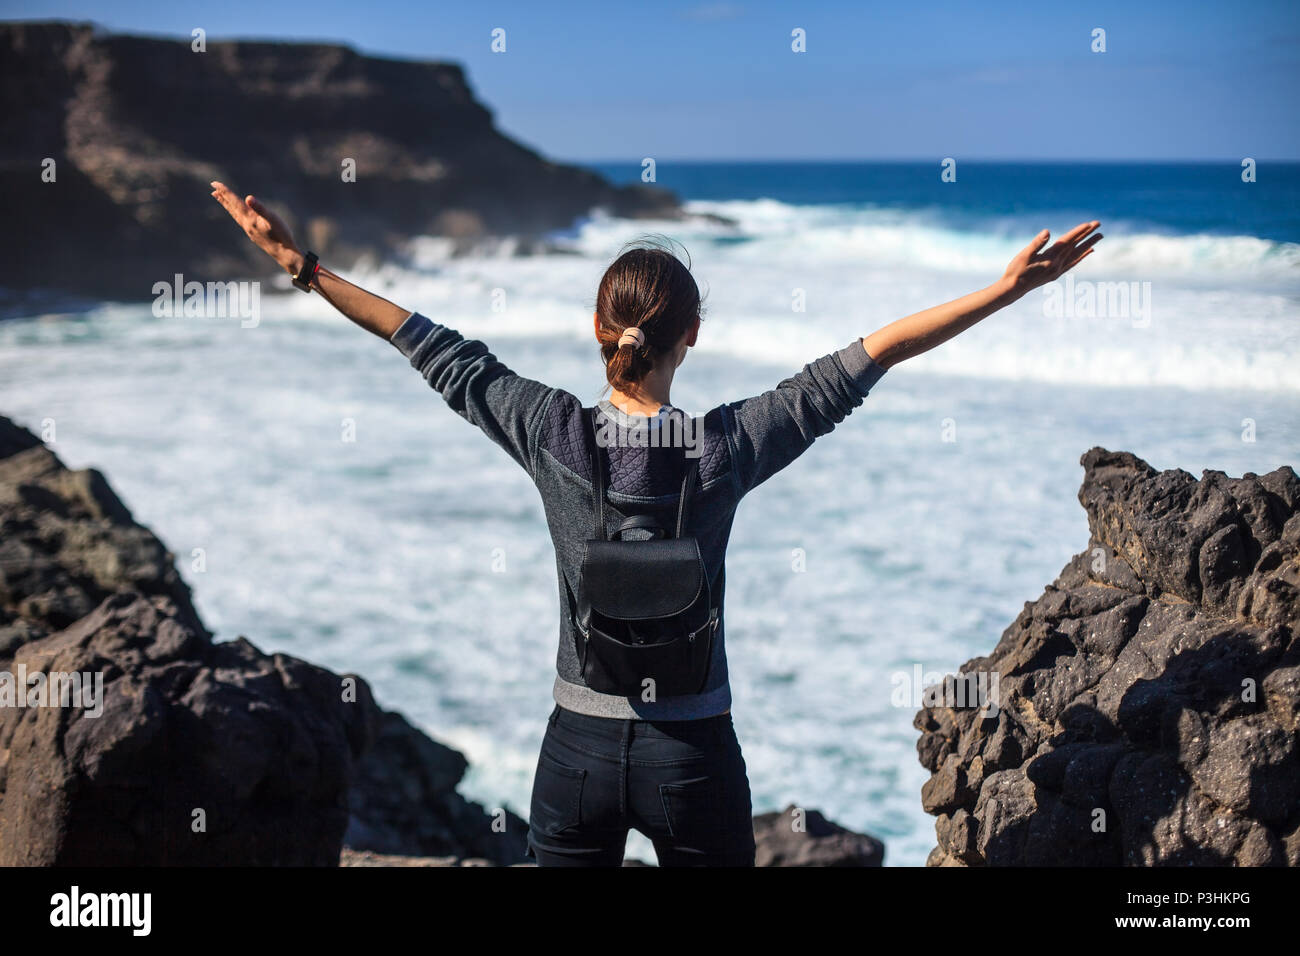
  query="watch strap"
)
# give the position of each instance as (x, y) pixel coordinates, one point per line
(310, 263)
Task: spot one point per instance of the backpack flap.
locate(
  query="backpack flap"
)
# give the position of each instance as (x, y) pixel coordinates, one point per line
(641, 580)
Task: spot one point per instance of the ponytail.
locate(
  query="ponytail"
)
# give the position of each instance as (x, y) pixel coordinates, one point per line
(646, 302)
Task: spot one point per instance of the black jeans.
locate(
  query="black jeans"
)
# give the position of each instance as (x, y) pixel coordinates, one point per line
(680, 782)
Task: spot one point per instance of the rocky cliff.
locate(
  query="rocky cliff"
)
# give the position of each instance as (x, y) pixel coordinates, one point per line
(1148, 703)
(136, 128)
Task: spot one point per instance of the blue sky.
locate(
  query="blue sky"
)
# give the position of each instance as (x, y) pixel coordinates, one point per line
(919, 80)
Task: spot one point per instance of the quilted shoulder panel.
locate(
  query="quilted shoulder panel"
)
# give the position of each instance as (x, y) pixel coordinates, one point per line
(634, 470)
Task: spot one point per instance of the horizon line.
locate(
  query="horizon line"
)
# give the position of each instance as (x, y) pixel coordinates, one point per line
(1235, 161)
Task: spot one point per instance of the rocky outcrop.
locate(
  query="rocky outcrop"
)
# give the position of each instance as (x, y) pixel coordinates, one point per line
(198, 752)
(1148, 703)
(797, 837)
(404, 803)
(188, 752)
(137, 127)
(66, 543)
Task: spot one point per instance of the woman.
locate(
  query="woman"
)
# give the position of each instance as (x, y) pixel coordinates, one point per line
(666, 765)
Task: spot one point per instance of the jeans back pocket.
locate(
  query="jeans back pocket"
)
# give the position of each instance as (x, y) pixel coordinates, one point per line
(695, 810)
(557, 796)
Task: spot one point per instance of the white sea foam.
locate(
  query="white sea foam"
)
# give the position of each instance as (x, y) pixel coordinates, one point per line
(1225, 311)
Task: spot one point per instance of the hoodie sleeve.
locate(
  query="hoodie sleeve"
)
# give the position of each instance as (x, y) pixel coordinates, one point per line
(771, 430)
(479, 388)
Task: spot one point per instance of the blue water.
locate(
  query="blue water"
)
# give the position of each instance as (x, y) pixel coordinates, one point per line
(378, 556)
(1166, 198)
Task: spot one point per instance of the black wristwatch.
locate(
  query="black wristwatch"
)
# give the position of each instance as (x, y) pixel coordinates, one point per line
(308, 271)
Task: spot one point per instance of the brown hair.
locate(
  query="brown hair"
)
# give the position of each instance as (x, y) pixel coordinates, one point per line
(650, 288)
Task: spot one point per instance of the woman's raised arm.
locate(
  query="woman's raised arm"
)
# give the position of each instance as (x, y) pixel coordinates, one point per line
(270, 234)
(483, 391)
(1031, 268)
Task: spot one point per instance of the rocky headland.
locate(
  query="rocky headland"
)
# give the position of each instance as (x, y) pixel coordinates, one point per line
(1149, 700)
(108, 142)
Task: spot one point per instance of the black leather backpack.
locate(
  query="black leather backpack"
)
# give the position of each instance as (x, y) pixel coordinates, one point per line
(643, 610)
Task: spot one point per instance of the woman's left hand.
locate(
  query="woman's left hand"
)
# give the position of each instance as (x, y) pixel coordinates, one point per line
(267, 230)
(1035, 266)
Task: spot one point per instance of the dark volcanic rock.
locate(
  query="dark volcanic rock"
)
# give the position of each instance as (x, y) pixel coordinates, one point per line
(138, 127)
(790, 838)
(66, 543)
(204, 754)
(1149, 701)
(280, 755)
(404, 803)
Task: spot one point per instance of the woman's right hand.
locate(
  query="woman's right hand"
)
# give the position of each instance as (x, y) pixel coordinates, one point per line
(267, 230)
(1033, 266)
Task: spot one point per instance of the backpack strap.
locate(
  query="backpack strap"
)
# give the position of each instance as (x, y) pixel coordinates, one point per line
(597, 478)
(598, 484)
(688, 488)
(642, 522)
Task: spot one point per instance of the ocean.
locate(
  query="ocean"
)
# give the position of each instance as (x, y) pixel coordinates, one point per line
(322, 501)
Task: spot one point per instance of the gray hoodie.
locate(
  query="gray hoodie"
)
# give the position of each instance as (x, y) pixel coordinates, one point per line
(740, 445)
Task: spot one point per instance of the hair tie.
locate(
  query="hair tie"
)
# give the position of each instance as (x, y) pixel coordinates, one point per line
(632, 336)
